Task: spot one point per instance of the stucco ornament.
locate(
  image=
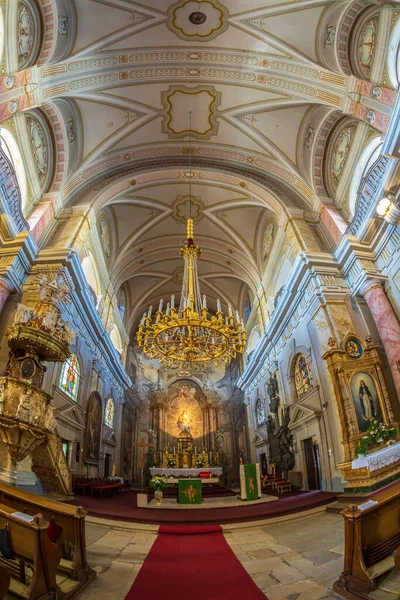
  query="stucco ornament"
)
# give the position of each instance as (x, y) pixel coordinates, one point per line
(182, 209)
(193, 21)
(25, 34)
(39, 147)
(268, 239)
(366, 44)
(340, 152)
(105, 237)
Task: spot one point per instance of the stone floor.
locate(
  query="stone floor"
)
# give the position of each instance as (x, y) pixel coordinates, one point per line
(290, 560)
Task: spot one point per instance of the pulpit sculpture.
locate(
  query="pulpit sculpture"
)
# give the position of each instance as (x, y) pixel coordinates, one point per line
(27, 422)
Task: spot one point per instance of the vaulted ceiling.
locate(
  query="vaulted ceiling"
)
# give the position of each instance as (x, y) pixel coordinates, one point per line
(249, 71)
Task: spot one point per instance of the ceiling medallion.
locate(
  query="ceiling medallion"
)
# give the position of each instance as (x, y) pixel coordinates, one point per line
(189, 23)
(197, 18)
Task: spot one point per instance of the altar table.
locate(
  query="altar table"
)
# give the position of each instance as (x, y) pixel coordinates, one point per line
(176, 473)
(378, 460)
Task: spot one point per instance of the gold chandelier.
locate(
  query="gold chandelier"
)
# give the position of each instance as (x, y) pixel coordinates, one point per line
(190, 334)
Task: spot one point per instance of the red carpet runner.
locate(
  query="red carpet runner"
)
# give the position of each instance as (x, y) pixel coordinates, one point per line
(192, 563)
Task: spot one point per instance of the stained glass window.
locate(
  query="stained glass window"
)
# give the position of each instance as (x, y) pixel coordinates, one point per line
(70, 377)
(109, 415)
(260, 412)
(302, 375)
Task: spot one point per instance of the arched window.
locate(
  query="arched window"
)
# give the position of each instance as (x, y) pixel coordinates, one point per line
(12, 152)
(121, 303)
(109, 414)
(260, 412)
(368, 157)
(70, 377)
(91, 276)
(302, 375)
(393, 56)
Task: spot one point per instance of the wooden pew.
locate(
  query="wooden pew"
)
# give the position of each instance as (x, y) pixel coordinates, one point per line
(372, 537)
(4, 582)
(30, 544)
(70, 518)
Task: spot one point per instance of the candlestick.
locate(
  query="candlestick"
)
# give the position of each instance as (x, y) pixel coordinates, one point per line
(149, 312)
(229, 310)
(172, 301)
(160, 306)
(195, 449)
(143, 318)
(218, 305)
(174, 450)
(204, 301)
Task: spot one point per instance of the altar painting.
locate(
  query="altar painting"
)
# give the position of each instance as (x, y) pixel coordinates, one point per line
(365, 398)
(185, 413)
(93, 429)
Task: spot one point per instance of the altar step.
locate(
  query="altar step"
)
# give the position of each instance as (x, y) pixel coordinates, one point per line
(209, 491)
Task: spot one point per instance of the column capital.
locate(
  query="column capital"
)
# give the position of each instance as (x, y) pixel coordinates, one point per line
(370, 284)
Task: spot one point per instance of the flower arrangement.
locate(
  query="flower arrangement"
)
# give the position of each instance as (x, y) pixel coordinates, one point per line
(157, 482)
(377, 432)
(200, 464)
(171, 463)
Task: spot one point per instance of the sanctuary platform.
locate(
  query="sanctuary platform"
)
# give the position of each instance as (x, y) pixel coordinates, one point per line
(208, 503)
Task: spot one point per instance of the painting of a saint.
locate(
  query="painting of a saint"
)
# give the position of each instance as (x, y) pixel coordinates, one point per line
(93, 429)
(302, 375)
(366, 399)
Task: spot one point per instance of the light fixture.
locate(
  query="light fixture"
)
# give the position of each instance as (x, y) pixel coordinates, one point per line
(190, 334)
(383, 206)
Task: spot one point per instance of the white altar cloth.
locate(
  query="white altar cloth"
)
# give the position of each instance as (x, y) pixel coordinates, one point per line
(185, 472)
(378, 460)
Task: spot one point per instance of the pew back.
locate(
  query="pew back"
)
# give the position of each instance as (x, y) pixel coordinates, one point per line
(29, 541)
(371, 539)
(70, 518)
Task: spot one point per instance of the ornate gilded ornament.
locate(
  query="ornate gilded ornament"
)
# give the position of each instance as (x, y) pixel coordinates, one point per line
(190, 334)
(353, 347)
(193, 21)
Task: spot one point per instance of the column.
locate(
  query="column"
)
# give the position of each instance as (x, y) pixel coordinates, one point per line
(387, 325)
(5, 290)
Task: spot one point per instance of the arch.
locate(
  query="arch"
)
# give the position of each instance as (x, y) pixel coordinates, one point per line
(91, 275)
(260, 412)
(11, 149)
(109, 413)
(369, 156)
(70, 377)
(122, 303)
(302, 375)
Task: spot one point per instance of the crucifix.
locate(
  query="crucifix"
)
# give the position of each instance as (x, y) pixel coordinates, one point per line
(142, 445)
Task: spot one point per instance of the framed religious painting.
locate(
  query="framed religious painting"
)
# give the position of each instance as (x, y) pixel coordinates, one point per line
(94, 420)
(366, 400)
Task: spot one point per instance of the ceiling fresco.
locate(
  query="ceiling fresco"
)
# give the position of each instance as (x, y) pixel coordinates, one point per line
(250, 74)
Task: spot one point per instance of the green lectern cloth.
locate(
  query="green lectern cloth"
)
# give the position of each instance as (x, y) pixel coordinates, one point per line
(250, 474)
(190, 491)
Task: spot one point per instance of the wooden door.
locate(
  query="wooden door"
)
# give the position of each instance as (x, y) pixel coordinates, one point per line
(107, 464)
(312, 464)
(263, 463)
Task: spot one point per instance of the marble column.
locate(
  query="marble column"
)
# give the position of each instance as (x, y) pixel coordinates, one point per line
(387, 325)
(5, 290)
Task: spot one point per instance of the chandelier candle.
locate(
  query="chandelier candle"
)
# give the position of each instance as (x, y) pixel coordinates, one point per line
(191, 335)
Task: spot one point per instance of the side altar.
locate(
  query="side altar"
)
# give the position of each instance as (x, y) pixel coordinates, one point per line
(362, 398)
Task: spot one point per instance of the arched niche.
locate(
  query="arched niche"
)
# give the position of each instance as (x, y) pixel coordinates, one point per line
(12, 152)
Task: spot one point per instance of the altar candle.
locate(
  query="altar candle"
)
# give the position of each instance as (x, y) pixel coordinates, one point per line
(174, 450)
(195, 449)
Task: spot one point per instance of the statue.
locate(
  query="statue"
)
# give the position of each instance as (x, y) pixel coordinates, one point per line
(23, 315)
(52, 291)
(285, 442)
(49, 419)
(49, 320)
(273, 394)
(27, 411)
(2, 397)
(186, 395)
(184, 422)
(219, 440)
(270, 425)
(69, 334)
